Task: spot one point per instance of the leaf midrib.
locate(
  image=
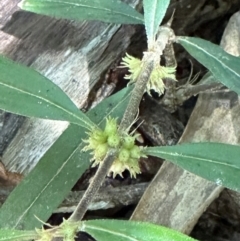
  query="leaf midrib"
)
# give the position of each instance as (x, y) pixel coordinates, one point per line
(93, 227)
(189, 157)
(97, 8)
(49, 102)
(203, 50)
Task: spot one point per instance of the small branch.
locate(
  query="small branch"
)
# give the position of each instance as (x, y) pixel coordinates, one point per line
(150, 59)
(197, 89)
(183, 93)
(137, 94)
(93, 187)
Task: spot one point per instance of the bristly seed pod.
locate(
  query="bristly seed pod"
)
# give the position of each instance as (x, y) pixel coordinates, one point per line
(129, 142)
(124, 155)
(117, 169)
(101, 151)
(111, 127)
(113, 140)
(135, 152)
(155, 81)
(99, 136)
(101, 141)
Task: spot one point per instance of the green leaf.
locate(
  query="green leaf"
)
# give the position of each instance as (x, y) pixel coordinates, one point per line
(112, 11)
(215, 162)
(224, 67)
(154, 11)
(16, 235)
(208, 78)
(42, 191)
(108, 230)
(26, 92)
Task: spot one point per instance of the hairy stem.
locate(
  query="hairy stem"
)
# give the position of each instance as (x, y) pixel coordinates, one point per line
(149, 61)
(93, 187)
(136, 96)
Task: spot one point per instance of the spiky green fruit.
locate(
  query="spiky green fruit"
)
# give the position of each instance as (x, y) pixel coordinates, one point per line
(117, 168)
(99, 136)
(124, 155)
(129, 142)
(113, 140)
(155, 81)
(134, 169)
(135, 152)
(101, 151)
(111, 127)
(128, 153)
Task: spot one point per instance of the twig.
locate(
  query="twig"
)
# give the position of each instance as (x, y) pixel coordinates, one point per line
(150, 59)
(93, 187)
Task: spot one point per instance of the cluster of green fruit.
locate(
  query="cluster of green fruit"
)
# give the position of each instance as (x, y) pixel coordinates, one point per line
(100, 142)
(135, 67)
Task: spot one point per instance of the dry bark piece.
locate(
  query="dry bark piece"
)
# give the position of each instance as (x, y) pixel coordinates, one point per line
(108, 197)
(221, 219)
(176, 198)
(158, 125)
(9, 178)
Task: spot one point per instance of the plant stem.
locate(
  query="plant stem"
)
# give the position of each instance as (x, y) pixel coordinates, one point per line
(149, 60)
(102, 171)
(93, 187)
(136, 96)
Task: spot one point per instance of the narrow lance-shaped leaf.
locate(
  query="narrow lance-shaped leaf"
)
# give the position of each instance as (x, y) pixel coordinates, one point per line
(108, 230)
(215, 162)
(224, 67)
(112, 11)
(154, 11)
(17, 235)
(26, 92)
(45, 187)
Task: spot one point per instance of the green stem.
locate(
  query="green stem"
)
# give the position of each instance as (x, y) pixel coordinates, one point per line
(149, 60)
(103, 169)
(136, 96)
(93, 187)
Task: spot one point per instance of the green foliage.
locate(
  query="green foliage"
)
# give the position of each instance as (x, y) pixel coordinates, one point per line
(154, 11)
(57, 172)
(111, 11)
(35, 95)
(215, 162)
(108, 230)
(224, 66)
(102, 230)
(16, 235)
